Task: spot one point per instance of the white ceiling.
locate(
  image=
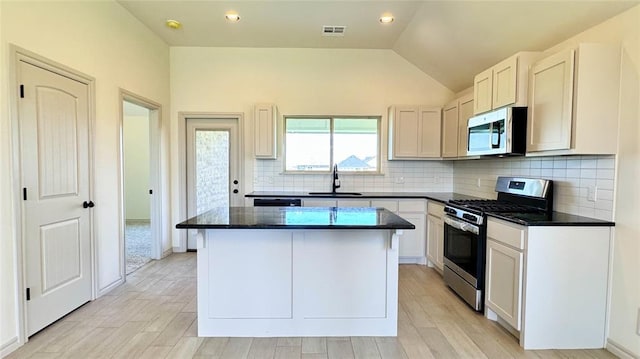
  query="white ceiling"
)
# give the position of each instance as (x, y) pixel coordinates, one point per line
(449, 40)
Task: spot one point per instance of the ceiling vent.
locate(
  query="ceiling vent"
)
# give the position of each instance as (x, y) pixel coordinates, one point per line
(333, 30)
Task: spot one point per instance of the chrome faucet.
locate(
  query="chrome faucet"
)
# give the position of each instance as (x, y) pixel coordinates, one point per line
(335, 182)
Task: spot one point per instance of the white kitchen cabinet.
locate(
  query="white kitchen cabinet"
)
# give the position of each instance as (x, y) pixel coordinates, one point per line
(465, 112)
(435, 235)
(455, 117)
(265, 119)
(413, 242)
(503, 84)
(315, 202)
(549, 284)
(414, 132)
(450, 115)
(503, 274)
(574, 102)
(482, 91)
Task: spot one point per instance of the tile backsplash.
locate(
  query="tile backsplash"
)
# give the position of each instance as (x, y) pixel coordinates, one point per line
(575, 178)
(398, 176)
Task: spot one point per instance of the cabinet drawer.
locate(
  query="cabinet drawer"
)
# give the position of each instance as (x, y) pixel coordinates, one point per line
(318, 203)
(411, 206)
(353, 203)
(506, 233)
(389, 205)
(435, 209)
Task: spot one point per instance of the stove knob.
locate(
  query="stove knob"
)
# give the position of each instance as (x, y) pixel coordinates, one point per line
(450, 210)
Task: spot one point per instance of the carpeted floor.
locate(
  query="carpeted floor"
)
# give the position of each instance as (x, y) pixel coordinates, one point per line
(137, 238)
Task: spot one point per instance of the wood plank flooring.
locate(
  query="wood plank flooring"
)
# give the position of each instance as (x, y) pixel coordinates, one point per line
(153, 315)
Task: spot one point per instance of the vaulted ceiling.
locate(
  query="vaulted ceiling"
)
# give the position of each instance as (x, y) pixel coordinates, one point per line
(449, 40)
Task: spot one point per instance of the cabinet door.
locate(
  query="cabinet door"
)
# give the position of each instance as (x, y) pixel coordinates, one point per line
(465, 111)
(505, 77)
(265, 119)
(450, 130)
(412, 242)
(551, 103)
(482, 91)
(429, 131)
(405, 132)
(435, 241)
(504, 282)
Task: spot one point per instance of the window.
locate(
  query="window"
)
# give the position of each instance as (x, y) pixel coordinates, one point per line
(315, 144)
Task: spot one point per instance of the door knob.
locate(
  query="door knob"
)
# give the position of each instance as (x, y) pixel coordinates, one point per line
(89, 204)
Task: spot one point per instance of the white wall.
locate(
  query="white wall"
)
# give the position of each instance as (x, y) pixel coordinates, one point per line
(136, 167)
(298, 81)
(101, 39)
(623, 29)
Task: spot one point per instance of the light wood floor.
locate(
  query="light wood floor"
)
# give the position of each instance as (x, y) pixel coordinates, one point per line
(153, 315)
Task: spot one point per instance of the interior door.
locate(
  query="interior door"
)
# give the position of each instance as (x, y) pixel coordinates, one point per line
(54, 141)
(212, 167)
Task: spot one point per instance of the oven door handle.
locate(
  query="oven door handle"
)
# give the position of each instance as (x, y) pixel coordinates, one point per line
(463, 226)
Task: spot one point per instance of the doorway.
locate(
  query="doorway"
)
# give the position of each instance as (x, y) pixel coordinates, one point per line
(213, 167)
(139, 175)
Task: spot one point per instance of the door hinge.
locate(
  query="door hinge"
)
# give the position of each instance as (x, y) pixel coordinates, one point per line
(21, 91)
(28, 293)
(150, 191)
(24, 193)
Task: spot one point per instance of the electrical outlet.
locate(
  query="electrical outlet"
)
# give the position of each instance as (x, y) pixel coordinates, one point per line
(399, 180)
(592, 193)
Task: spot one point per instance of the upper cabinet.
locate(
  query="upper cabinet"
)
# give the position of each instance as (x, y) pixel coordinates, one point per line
(574, 102)
(503, 84)
(465, 112)
(414, 132)
(450, 116)
(455, 116)
(265, 119)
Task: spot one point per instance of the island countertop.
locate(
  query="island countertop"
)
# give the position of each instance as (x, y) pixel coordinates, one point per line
(296, 218)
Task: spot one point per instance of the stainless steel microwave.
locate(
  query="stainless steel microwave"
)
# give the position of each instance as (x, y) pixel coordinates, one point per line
(499, 132)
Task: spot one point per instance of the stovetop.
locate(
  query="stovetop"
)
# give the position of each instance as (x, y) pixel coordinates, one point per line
(492, 205)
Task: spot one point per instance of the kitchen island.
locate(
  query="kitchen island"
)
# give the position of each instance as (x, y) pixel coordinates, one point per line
(293, 271)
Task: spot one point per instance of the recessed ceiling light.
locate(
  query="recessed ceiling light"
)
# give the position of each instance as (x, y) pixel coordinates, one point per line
(386, 18)
(173, 24)
(232, 16)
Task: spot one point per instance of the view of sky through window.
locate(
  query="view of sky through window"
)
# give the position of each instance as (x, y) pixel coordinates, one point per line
(315, 144)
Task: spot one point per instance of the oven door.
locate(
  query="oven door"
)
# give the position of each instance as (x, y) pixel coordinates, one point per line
(464, 250)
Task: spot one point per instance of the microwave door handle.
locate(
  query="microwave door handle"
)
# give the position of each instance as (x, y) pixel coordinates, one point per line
(496, 144)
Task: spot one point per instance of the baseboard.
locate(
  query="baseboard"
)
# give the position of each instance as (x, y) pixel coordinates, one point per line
(109, 287)
(413, 260)
(177, 250)
(620, 351)
(9, 347)
(168, 252)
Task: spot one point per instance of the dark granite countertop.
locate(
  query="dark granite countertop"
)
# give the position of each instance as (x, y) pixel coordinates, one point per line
(555, 219)
(436, 196)
(297, 218)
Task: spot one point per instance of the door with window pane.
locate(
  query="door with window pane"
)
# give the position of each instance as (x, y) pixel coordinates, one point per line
(212, 167)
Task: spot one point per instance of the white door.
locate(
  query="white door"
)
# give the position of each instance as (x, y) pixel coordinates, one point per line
(54, 142)
(212, 167)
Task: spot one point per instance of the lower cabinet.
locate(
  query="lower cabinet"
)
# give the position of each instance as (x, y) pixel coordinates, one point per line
(548, 284)
(412, 242)
(503, 282)
(435, 235)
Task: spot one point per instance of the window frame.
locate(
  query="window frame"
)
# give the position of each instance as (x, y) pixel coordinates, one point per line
(331, 119)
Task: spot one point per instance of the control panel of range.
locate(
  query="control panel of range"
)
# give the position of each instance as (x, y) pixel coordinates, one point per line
(464, 214)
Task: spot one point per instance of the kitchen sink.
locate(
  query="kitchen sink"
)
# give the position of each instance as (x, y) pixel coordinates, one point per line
(335, 194)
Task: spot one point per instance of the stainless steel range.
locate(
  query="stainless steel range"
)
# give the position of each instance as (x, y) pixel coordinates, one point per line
(465, 231)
